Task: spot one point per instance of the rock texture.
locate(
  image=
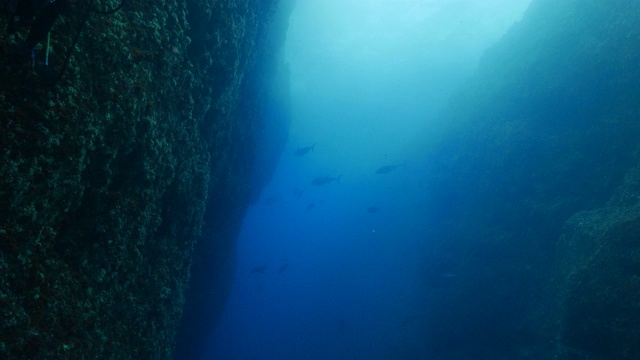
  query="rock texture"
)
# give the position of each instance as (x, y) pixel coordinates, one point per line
(534, 194)
(264, 105)
(110, 163)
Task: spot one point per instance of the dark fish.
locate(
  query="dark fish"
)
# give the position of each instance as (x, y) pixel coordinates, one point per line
(259, 269)
(372, 209)
(304, 150)
(283, 268)
(440, 274)
(388, 168)
(323, 180)
(272, 200)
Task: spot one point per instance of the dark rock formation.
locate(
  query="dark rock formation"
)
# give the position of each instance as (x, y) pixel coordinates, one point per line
(530, 205)
(114, 165)
(265, 109)
(599, 279)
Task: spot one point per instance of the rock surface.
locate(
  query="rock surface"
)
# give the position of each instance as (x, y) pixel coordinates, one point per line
(115, 165)
(534, 193)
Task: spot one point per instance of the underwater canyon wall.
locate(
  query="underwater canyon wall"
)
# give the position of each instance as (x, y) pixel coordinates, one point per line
(534, 193)
(129, 148)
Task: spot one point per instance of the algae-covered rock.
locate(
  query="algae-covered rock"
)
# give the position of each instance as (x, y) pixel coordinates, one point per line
(598, 279)
(108, 166)
(542, 136)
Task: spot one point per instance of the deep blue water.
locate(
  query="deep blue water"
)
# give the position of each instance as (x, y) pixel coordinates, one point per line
(334, 271)
(350, 282)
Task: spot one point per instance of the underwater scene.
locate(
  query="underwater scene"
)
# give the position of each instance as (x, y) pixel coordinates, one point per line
(320, 179)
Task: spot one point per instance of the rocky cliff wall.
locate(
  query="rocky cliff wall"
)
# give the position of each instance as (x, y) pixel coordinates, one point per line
(534, 193)
(112, 154)
(263, 105)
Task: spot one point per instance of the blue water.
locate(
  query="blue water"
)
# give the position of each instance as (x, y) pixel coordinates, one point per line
(342, 279)
(349, 286)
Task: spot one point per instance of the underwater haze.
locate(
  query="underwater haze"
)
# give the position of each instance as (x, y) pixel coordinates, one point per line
(330, 260)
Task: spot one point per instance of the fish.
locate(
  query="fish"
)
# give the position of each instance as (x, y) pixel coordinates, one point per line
(297, 193)
(283, 268)
(323, 180)
(304, 150)
(440, 274)
(372, 209)
(259, 269)
(310, 206)
(388, 168)
(272, 200)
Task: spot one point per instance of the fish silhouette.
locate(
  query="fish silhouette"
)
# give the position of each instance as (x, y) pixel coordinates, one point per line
(272, 200)
(283, 268)
(388, 168)
(259, 269)
(323, 180)
(304, 150)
